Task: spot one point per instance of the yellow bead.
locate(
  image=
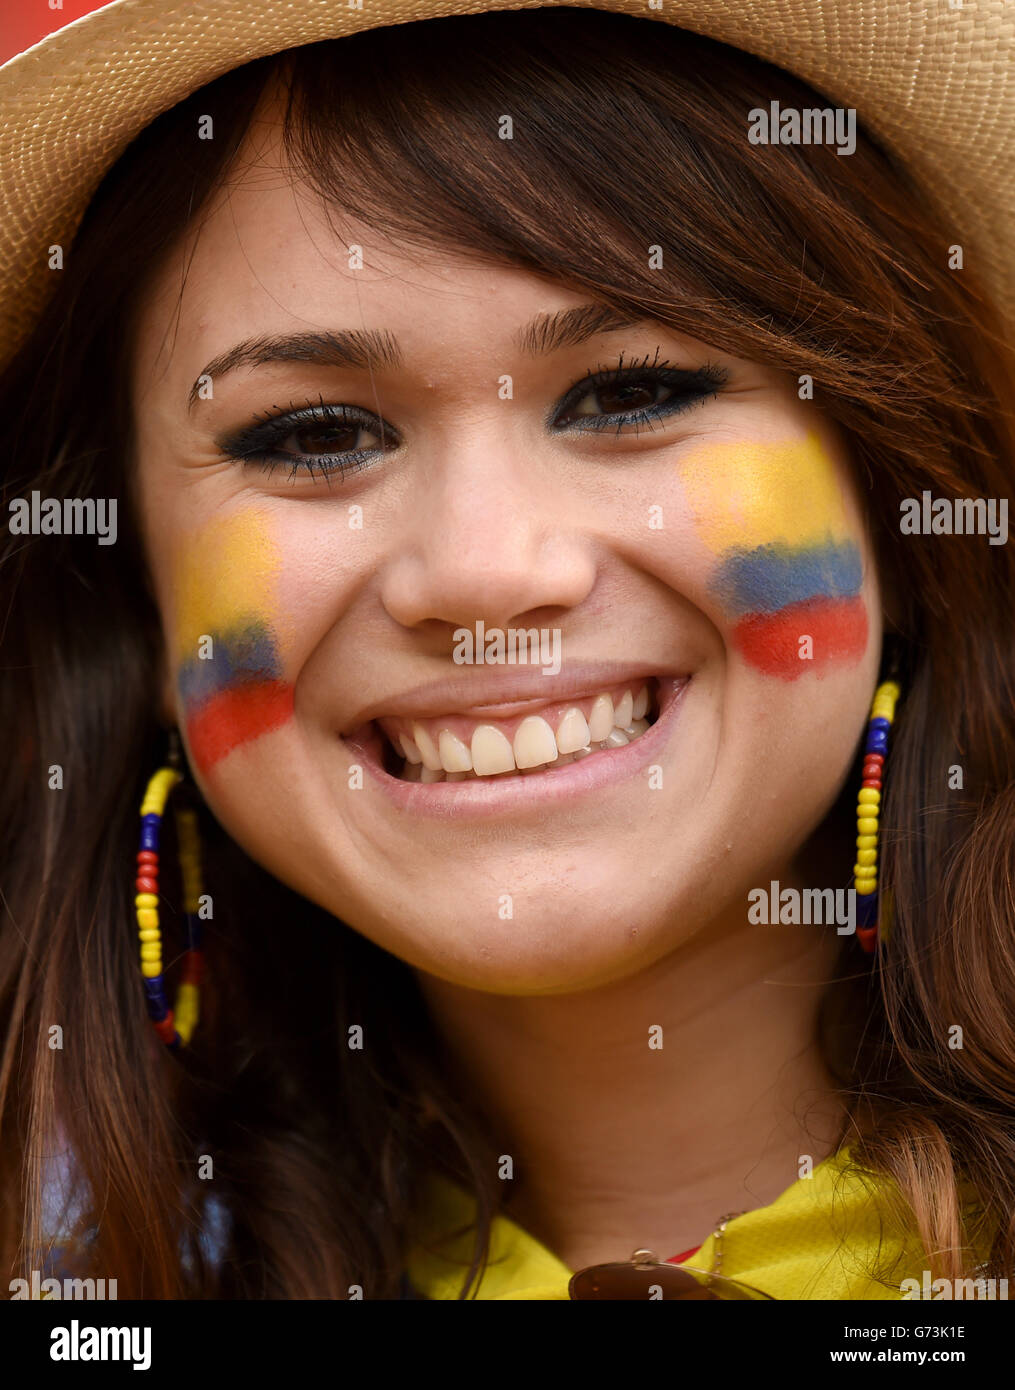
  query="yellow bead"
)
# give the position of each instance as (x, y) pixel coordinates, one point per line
(866, 856)
(866, 886)
(865, 825)
(147, 917)
(146, 900)
(866, 842)
(151, 950)
(157, 791)
(151, 968)
(868, 794)
(862, 872)
(865, 811)
(149, 934)
(185, 1011)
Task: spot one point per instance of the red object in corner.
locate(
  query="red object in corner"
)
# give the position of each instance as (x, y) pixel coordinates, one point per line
(679, 1259)
(27, 22)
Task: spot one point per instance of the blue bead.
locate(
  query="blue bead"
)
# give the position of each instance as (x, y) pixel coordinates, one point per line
(158, 1004)
(150, 832)
(877, 742)
(880, 723)
(866, 909)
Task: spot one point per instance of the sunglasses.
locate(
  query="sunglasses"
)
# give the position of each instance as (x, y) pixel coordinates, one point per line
(645, 1277)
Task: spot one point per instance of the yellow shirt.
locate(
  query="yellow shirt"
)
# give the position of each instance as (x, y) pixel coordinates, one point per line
(818, 1240)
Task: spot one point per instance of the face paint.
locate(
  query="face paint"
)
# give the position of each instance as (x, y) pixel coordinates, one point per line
(788, 567)
(232, 686)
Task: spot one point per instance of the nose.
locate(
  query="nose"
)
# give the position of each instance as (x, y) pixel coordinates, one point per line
(487, 540)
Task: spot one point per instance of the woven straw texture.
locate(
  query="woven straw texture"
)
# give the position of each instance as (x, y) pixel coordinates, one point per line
(932, 82)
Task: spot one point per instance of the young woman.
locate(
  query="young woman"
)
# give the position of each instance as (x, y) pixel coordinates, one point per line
(390, 348)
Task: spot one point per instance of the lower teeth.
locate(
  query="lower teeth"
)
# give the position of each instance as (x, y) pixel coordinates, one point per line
(617, 738)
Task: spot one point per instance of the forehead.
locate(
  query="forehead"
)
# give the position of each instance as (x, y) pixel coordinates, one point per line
(267, 256)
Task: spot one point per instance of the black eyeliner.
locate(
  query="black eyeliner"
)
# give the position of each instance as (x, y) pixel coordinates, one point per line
(252, 446)
(693, 384)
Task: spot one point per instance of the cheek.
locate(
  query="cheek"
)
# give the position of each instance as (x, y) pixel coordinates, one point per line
(788, 560)
(229, 638)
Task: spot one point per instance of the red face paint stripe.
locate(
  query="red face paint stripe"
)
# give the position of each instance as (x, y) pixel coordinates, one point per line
(771, 641)
(232, 717)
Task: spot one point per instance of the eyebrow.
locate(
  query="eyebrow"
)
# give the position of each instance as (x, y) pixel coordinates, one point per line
(371, 349)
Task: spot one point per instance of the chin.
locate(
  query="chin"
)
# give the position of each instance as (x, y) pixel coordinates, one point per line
(558, 938)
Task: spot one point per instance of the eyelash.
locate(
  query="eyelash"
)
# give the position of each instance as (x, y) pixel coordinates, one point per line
(253, 446)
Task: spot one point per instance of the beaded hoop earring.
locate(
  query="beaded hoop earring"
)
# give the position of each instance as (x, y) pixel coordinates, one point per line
(865, 870)
(174, 1026)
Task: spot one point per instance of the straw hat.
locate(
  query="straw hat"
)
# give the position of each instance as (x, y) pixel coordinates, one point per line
(934, 80)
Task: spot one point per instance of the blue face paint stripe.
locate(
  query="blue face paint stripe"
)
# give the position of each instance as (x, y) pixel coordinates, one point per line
(768, 577)
(239, 656)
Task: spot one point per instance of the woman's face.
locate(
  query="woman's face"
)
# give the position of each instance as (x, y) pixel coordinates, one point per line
(322, 586)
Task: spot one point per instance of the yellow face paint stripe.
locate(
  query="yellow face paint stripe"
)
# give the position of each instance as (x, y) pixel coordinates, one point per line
(226, 579)
(764, 492)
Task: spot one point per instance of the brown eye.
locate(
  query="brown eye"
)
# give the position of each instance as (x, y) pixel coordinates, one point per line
(316, 441)
(328, 439)
(633, 396)
(623, 396)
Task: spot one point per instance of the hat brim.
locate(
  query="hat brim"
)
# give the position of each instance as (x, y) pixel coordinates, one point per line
(934, 84)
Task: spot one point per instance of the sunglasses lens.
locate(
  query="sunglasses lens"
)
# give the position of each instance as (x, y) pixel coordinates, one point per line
(658, 1282)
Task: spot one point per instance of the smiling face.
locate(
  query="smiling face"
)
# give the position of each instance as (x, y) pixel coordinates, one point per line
(328, 520)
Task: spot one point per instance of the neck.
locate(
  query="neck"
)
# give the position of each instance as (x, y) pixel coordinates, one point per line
(617, 1143)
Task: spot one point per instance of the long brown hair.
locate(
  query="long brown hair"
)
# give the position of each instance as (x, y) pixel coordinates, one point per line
(628, 134)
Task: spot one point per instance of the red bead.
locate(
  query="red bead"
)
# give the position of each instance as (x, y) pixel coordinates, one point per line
(147, 856)
(147, 885)
(868, 938)
(166, 1029)
(193, 968)
(874, 758)
(872, 782)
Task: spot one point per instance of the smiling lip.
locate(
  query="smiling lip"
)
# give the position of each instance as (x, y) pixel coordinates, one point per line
(486, 798)
(500, 696)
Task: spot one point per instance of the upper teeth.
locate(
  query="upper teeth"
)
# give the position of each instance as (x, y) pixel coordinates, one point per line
(535, 743)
